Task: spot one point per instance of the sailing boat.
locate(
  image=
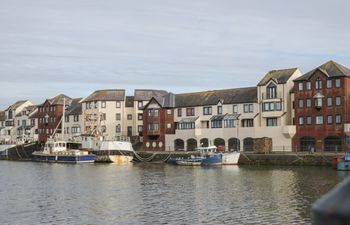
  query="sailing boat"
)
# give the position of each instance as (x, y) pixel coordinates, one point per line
(56, 150)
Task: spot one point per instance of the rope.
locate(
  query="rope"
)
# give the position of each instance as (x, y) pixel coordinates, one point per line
(145, 159)
(18, 153)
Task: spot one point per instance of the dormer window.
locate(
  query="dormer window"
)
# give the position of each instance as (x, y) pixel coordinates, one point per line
(318, 84)
(318, 100)
(271, 91)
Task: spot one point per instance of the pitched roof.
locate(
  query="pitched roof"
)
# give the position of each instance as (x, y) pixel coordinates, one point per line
(106, 95)
(228, 96)
(279, 76)
(58, 100)
(75, 108)
(330, 69)
(2, 115)
(29, 109)
(129, 101)
(147, 94)
(16, 105)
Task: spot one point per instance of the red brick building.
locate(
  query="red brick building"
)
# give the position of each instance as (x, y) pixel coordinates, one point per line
(322, 109)
(49, 116)
(158, 120)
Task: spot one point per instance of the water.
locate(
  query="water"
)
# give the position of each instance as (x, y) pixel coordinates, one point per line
(40, 193)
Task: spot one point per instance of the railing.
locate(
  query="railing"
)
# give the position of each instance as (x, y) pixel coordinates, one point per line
(265, 96)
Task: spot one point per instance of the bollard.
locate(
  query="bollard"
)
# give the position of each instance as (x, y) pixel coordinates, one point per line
(334, 207)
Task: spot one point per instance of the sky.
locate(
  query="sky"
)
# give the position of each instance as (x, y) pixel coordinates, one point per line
(75, 47)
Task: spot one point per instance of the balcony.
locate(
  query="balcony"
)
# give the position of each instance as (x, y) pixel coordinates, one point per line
(265, 96)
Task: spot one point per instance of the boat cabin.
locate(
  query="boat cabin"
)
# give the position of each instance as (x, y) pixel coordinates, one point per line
(55, 146)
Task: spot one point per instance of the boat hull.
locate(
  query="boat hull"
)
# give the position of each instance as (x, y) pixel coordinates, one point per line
(230, 158)
(119, 157)
(63, 158)
(212, 160)
(344, 165)
(222, 159)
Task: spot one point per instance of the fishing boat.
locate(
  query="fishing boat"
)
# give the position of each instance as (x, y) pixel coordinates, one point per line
(192, 161)
(344, 164)
(56, 151)
(214, 157)
(118, 150)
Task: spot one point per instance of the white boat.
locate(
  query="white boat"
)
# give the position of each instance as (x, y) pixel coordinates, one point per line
(118, 150)
(56, 151)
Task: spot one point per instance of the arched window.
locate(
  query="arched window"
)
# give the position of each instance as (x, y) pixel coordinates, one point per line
(271, 91)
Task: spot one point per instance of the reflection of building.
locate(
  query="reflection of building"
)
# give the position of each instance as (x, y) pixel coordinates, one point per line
(322, 108)
(49, 116)
(158, 120)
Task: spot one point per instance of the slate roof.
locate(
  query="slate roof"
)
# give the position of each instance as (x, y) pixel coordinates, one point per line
(2, 115)
(129, 101)
(228, 96)
(166, 101)
(147, 94)
(29, 108)
(106, 95)
(75, 108)
(330, 69)
(16, 105)
(58, 100)
(279, 76)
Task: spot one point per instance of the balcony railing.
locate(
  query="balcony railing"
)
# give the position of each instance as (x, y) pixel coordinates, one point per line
(265, 96)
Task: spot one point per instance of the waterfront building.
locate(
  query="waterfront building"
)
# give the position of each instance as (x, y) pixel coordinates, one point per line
(73, 121)
(322, 109)
(2, 126)
(10, 130)
(26, 124)
(158, 117)
(50, 116)
(103, 113)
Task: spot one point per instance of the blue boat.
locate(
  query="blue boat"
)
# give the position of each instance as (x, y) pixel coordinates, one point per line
(212, 157)
(345, 163)
(56, 152)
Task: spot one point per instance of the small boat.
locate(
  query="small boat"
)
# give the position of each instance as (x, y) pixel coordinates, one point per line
(213, 157)
(118, 151)
(56, 151)
(344, 164)
(193, 161)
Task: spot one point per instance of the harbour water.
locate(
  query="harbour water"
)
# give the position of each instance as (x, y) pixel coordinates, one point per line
(40, 193)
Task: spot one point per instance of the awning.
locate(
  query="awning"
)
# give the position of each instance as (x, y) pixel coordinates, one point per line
(189, 120)
(224, 117)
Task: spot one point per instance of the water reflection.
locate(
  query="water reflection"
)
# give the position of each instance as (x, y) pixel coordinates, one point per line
(157, 194)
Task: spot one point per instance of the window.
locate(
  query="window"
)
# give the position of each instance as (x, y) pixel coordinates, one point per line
(140, 128)
(271, 91)
(271, 122)
(96, 104)
(308, 120)
(278, 106)
(219, 109)
(190, 112)
(67, 119)
(329, 83)
(103, 104)
(153, 112)
(76, 118)
(117, 116)
(129, 117)
(117, 104)
(140, 104)
(329, 101)
(169, 112)
(153, 126)
(337, 119)
(337, 101)
(248, 108)
(318, 102)
(179, 112)
(337, 82)
(330, 119)
(103, 129)
(187, 125)
(319, 120)
(229, 123)
(308, 102)
(301, 120)
(301, 103)
(301, 86)
(207, 110)
(75, 130)
(235, 108)
(318, 84)
(308, 85)
(247, 123)
(168, 125)
(103, 116)
(216, 124)
(118, 128)
(140, 116)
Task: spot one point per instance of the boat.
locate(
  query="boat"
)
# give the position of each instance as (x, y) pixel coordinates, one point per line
(344, 163)
(118, 150)
(214, 157)
(192, 161)
(56, 151)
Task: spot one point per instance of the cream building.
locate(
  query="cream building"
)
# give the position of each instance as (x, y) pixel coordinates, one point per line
(26, 124)
(232, 118)
(103, 113)
(73, 125)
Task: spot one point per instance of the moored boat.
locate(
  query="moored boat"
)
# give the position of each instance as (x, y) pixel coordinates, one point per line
(56, 151)
(344, 163)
